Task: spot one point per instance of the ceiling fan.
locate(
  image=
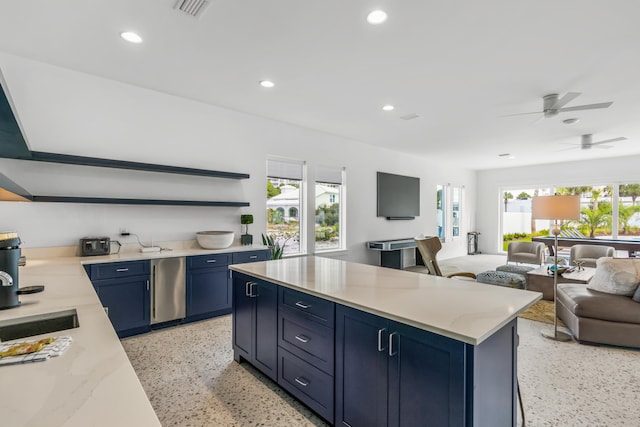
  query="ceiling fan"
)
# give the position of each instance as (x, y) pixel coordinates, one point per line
(587, 142)
(552, 104)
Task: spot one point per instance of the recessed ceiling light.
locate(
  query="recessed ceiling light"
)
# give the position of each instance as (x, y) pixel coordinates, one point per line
(131, 37)
(377, 17)
(267, 83)
(570, 121)
(388, 108)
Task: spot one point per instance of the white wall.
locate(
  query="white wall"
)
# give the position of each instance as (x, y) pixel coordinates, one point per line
(69, 112)
(491, 182)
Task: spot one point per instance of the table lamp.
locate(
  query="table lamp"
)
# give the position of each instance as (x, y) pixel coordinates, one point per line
(555, 208)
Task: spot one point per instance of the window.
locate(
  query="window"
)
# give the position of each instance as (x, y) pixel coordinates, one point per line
(285, 204)
(455, 211)
(329, 223)
(440, 207)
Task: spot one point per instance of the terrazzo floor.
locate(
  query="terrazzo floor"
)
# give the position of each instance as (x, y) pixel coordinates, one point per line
(191, 379)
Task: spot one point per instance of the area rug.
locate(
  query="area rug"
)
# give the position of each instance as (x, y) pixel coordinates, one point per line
(542, 311)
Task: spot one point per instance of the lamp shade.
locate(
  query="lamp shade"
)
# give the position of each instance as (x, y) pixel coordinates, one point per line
(556, 207)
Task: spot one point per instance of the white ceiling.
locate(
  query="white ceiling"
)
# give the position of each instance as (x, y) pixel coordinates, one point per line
(460, 65)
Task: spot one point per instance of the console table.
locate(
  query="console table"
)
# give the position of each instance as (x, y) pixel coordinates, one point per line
(622, 245)
(398, 253)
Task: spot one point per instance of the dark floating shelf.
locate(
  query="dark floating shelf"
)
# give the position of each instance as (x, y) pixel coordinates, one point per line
(68, 159)
(118, 201)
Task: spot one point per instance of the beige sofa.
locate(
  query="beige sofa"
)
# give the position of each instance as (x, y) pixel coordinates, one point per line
(607, 310)
(598, 317)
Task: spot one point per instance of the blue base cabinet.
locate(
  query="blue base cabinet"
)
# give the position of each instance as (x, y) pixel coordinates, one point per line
(123, 289)
(208, 286)
(255, 323)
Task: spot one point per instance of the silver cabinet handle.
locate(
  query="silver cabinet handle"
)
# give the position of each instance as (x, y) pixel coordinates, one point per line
(211, 260)
(302, 381)
(251, 294)
(147, 286)
(246, 289)
(380, 345)
(302, 305)
(303, 338)
(253, 257)
(120, 270)
(391, 351)
(153, 293)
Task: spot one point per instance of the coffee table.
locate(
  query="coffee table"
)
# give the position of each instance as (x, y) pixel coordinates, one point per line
(540, 280)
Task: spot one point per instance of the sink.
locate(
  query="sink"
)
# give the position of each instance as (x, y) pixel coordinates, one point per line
(38, 324)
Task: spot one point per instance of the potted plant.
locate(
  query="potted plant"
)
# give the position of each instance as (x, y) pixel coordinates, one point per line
(246, 238)
(276, 248)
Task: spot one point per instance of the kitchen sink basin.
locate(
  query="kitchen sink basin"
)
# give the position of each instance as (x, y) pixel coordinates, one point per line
(38, 324)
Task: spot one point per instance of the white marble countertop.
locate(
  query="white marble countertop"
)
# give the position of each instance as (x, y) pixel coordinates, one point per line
(92, 383)
(463, 310)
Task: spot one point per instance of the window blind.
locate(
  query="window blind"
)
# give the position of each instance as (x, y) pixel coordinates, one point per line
(329, 175)
(284, 169)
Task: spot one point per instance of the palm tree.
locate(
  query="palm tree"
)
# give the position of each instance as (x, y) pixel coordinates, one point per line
(624, 215)
(595, 195)
(507, 196)
(594, 219)
(533, 221)
(630, 190)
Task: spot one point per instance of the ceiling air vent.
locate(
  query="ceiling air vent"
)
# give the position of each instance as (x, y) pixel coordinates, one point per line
(410, 116)
(192, 7)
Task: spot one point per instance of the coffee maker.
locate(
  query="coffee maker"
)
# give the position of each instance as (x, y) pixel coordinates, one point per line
(9, 258)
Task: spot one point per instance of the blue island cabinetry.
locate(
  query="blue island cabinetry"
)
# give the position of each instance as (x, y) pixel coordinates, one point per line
(358, 369)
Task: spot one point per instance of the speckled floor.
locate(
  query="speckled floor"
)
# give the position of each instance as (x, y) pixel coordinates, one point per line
(191, 379)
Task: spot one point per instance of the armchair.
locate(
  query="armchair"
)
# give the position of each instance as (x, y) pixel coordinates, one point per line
(526, 252)
(429, 247)
(588, 254)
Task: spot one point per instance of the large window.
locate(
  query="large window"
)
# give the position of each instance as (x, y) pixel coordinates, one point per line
(285, 204)
(440, 211)
(449, 210)
(329, 223)
(606, 212)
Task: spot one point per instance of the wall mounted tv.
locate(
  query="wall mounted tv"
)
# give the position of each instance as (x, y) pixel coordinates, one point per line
(398, 196)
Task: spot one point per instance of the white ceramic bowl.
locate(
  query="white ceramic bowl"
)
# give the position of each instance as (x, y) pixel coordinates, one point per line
(214, 239)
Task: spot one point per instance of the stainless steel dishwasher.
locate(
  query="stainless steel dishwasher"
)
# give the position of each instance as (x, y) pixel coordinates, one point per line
(168, 289)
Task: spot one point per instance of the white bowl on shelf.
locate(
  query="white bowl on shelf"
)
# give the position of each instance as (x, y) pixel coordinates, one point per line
(215, 239)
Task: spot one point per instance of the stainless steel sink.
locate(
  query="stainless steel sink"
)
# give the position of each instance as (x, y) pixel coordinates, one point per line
(28, 326)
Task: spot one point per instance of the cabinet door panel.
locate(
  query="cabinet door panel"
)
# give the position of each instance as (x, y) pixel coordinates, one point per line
(242, 318)
(127, 301)
(361, 369)
(208, 290)
(426, 379)
(266, 328)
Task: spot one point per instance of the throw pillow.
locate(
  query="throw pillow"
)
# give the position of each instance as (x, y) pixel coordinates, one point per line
(618, 276)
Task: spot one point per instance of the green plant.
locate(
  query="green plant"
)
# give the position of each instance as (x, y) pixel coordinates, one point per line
(276, 248)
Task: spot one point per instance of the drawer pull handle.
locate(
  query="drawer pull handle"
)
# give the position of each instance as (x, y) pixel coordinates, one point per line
(120, 270)
(392, 352)
(302, 381)
(211, 260)
(380, 345)
(253, 257)
(302, 305)
(302, 338)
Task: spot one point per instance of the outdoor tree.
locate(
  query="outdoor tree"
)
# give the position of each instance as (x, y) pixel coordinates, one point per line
(507, 196)
(630, 190)
(271, 190)
(573, 191)
(594, 219)
(533, 221)
(595, 196)
(523, 196)
(624, 216)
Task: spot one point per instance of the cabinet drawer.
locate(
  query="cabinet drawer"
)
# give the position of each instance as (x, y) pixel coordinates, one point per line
(118, 269)
(311, 386)
(207, 261)
(250, 256)
(314, 308)
(306, 339)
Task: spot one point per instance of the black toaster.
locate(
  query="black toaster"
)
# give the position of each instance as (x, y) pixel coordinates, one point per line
(90, 246)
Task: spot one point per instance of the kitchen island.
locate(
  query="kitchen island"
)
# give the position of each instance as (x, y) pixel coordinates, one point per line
(367, 346)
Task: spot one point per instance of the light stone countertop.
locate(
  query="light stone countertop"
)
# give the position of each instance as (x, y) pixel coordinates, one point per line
(92, 383)
(463, 310)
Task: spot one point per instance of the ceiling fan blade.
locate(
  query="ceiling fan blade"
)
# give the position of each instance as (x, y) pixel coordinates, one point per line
(521, 114)
(570, 148)
(586, 107)
(570, 96)
(606, 141)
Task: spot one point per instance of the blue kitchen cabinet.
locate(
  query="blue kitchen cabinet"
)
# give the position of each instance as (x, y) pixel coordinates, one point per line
(123, 290)
(208, 286)
(391, 374)
(255, 323)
